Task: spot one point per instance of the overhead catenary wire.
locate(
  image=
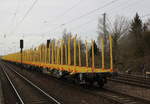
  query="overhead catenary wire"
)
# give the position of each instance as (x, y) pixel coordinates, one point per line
(125, 5)
(59, 15)
(91, 12)
(67, 11)
(86, 14)
(14, 15)
(26, 14)
(93, 20)
(62, 14)
(85, 23)
(28, 11)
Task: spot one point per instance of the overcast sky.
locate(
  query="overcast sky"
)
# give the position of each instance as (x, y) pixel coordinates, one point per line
(48, 18)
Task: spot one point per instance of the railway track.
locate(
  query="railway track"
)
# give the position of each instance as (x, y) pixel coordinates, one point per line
(139, 78)
(135, 76)
(125, 98)
(8, 98)
(132, 80)
(117, 97)
(26, 91)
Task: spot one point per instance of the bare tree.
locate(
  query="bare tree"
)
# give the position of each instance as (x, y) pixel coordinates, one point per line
(117, 28)
(120, 28)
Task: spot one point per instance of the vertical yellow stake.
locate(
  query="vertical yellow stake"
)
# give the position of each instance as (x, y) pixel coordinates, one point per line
(24, 55)
(32, 51)
(39, 49)
(45, 50)
(93, 63)
(35, 51)
(79, 53)
(41, 53)
(103, 54)
(49, 57)
(53, 52)
(61, 52)
(74, 51)
(32, 55)
(66, 54)
(59, 49)
(111, 57)
(69, 57)
(57, 55)
(87, 62)
(28, 55)
(37, 55)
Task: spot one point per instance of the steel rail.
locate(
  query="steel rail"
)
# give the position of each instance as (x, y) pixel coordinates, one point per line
(21, 100)
(46, 94)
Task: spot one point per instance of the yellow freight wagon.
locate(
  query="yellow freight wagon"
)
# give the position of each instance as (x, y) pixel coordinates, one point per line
(56, 58)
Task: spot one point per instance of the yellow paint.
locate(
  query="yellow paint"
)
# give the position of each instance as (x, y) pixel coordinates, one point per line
(53, 52)
(74, 51)
(57, 55)
(49, 52)
(69, 68)
(62, 52)
(111, 57)
(66, 54)
(36, 57)
(103, 53)
(45, 54)
(87, 59)
(93, 64)
(79, 47)
(69, 57)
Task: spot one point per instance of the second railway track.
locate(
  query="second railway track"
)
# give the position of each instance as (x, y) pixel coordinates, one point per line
(27, 92)
(131, 80)
(117, 97)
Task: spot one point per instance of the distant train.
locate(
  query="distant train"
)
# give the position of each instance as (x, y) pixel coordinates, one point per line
(57, 59)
